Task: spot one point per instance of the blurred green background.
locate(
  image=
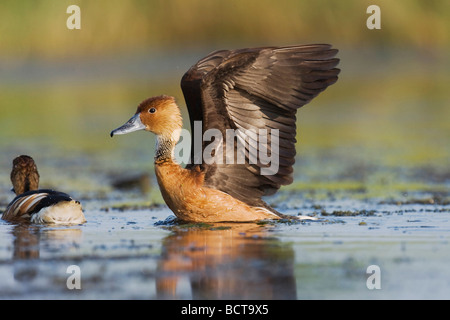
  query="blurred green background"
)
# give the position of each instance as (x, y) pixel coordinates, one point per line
(383, 128)
(37, 28)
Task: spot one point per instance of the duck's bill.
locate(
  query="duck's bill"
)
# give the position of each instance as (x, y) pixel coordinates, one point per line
(134, 124)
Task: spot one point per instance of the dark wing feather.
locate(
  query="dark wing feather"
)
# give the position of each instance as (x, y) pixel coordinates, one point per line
(251, 89)
(31, 202)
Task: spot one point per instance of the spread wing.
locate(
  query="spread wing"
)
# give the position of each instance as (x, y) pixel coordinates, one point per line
(253, 89)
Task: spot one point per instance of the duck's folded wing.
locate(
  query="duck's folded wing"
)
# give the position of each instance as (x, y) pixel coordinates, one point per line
(26, 204)
(253, 89)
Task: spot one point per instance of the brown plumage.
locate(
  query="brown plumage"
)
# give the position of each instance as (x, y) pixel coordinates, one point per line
(246, 89)
(24, 175)
(38, 205)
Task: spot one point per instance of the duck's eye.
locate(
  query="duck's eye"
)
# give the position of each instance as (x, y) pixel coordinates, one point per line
(152, 110)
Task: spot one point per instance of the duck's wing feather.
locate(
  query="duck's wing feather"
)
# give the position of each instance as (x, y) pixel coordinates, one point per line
(26, 204)
(251, 89)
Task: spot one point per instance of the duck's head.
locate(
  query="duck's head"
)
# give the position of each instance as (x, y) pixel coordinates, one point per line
(159, 115)
(24, 175)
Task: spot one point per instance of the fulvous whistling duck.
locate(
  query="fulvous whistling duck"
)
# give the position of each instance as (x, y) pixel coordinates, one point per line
(39, 206)
(256, 88)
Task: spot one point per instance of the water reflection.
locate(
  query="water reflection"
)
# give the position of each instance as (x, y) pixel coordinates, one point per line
(27, 245)
(220, 261)
(227, 261)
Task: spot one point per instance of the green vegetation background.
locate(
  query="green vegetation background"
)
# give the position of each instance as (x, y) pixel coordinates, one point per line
(384, 125)
(36, 27)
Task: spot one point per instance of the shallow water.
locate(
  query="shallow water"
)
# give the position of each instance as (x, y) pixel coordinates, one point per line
(372, 165)
(139, 254)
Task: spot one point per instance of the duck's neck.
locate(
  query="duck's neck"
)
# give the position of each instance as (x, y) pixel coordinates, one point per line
(165, 146)
(26, 183)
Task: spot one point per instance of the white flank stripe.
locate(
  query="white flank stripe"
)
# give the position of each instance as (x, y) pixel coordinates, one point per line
(17, 204)
(36, 197)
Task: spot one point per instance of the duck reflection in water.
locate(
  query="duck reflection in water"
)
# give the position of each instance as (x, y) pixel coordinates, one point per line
(27, 245)
(226, 261)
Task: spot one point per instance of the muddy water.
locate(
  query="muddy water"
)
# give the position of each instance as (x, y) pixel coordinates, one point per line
(372, 166)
